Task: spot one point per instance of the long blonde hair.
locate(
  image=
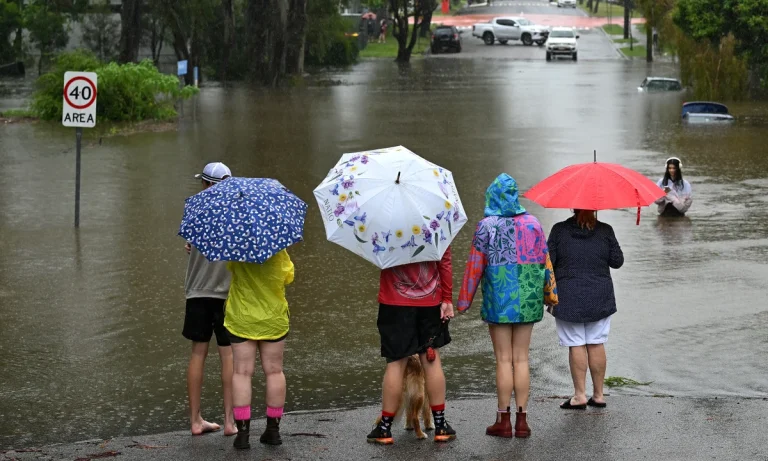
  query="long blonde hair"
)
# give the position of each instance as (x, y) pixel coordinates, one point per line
(586, 219)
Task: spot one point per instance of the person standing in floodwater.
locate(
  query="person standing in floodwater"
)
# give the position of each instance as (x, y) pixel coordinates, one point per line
(257, 320)
(206, 288)
(679, 196)
(583, 251)
(509, 257)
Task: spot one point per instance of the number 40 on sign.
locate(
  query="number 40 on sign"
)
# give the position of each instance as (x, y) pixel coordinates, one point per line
(79, 100)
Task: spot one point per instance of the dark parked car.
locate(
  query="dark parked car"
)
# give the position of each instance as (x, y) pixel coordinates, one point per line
(445, 38)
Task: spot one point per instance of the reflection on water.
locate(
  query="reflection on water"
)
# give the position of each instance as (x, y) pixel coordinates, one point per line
(91, 320)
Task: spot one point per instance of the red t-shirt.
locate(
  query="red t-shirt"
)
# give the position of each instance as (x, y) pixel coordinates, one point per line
(418, 284)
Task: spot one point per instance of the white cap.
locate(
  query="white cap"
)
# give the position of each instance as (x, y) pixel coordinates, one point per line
(214, 172)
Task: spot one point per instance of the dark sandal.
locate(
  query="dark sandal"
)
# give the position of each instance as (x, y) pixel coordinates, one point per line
(592, 403)
(567, 406)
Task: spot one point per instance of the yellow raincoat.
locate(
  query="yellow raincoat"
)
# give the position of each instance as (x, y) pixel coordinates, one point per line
(256, 307)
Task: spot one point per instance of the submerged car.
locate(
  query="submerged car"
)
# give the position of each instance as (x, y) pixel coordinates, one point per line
(706, 112)
(445, 38)
(652, 84)
(562, 42)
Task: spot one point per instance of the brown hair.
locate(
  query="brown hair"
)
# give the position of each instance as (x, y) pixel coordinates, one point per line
(586, 219)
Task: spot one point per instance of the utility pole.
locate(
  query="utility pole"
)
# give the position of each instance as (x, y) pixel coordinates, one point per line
(627, 24)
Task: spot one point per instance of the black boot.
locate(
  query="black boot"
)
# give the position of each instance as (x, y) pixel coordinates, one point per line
(271, 435)
(243, 432)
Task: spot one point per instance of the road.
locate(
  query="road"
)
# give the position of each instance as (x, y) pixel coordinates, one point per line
(594, 45)
(630, 429)
(521, 6)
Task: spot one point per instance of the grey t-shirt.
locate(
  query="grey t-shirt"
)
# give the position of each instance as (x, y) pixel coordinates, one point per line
(206, 279)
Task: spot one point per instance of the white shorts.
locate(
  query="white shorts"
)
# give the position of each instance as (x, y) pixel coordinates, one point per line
(579, 334)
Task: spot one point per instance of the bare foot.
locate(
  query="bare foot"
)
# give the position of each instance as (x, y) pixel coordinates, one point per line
(230, 430)
(204, 427)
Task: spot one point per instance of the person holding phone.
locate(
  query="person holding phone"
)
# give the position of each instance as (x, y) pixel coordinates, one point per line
(679, 196)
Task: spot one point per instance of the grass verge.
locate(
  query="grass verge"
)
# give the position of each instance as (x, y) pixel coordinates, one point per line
(620, 381)
(637, 51)
(389, 49)
(613, 29)
(625, 40)
(605, 10)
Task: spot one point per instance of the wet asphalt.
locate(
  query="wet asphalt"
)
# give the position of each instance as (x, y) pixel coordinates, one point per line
(630, 428)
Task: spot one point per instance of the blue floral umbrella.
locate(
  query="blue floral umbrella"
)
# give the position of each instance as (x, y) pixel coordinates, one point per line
(243, 219)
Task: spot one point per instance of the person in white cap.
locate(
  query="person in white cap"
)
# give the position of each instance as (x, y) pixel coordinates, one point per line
(206, 288)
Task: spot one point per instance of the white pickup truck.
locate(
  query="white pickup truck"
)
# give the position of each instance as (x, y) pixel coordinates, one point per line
(504, 29)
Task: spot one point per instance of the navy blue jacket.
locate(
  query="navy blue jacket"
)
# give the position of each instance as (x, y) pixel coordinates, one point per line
(583, 260)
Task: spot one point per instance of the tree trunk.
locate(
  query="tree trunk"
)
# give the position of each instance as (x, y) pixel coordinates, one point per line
(130, 31)
(627, 22)
(648, 41)
(229, 38)
(266, 30)
(426, 25)
(399, 10)
(597, 6)
(297, 34)
(589, 5)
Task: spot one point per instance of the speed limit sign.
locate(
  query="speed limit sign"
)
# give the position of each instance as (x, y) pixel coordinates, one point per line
(79, 99)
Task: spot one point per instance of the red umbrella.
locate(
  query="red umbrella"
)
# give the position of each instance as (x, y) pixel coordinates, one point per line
(369, 15)
(595, 186)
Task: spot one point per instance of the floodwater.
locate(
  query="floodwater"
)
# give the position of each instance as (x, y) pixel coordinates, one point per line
(90, 321)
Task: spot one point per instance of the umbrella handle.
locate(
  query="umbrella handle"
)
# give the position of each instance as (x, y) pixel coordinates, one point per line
(397, 181)
(637, 194)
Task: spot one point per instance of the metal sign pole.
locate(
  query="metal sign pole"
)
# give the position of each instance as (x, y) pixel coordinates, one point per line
(79, 137)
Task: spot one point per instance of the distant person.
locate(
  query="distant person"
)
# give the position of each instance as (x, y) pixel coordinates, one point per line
(257, 320)
(509, 258)
(415, 304)
(679, 196)
(583, 251)
(383, 31)
(206, 288)
(371, 29)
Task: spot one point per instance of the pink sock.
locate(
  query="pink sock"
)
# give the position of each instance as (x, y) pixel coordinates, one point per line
(273, 412)
(242, 413)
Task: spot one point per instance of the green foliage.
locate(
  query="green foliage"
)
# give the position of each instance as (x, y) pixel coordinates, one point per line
(327, 43)
(17, 113)
(735, 32)
(620, 381)
(10, 20)
(127, 92)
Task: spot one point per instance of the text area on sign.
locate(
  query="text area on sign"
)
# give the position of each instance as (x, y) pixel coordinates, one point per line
(79, 100)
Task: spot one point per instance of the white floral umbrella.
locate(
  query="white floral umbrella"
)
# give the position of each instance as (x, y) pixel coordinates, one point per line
(390, 206)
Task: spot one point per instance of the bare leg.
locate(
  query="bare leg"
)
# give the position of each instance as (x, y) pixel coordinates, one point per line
(195, 389)
(433, 372)
(392, 386)
(521, 341)
(501, 337)
(272, 364)
(577, 357)
(597, 364)
(244, 358)
(227, 370)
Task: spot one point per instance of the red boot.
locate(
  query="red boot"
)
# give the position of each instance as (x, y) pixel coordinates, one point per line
(502, 427)
(521, 425)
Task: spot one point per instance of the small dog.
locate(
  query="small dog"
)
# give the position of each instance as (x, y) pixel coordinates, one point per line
(415, 399)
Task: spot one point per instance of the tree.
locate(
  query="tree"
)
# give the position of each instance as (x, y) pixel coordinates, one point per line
(745, 20)
(654, 12)
(10, 21)
(130, 30)
(406, 36)
(627, 17)
(47, 28)
(153, 29)
(100, 32)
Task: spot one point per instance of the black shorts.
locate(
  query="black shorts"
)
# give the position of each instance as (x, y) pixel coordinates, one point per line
(406, 330)
(205, 316)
